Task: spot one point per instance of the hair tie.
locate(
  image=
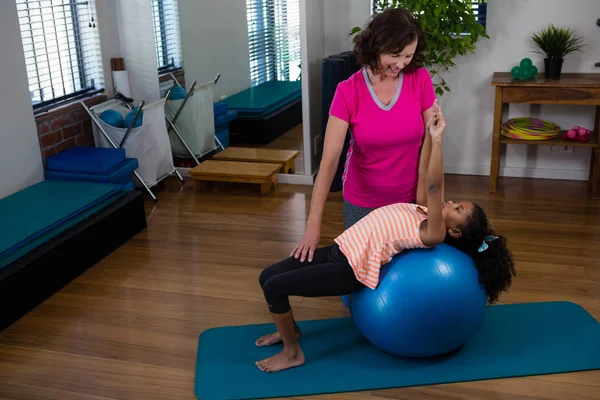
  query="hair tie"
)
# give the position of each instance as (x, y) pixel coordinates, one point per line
(484, 246)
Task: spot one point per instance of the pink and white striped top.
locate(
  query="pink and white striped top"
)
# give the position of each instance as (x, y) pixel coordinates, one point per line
(375, 239)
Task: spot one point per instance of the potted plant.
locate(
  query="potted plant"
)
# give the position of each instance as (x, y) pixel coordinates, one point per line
(451, 29)
(555, 43)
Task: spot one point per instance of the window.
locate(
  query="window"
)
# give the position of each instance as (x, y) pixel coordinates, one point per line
(62, 50)
(481, 12)
(165, 15)
(479, 7)
(273, 40)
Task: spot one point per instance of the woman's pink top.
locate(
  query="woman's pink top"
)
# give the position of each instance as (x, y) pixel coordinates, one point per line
(382, 162)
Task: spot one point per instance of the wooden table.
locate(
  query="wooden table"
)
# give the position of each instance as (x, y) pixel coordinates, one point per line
(570, 89)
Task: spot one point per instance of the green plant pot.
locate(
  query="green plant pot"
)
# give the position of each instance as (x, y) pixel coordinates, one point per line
(553, 67)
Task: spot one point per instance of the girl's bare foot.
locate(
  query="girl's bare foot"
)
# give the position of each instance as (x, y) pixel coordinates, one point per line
(274, 338)
(280, 361)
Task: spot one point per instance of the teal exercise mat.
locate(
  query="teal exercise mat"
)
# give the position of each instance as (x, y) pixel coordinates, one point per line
(38, 209)
(263, 97)
(513, 341)
(47, 234)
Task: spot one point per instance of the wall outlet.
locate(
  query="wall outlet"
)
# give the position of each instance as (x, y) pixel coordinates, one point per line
(317, 144)
(562, 149)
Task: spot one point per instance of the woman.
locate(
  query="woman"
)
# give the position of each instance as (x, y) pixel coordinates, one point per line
(386, 106)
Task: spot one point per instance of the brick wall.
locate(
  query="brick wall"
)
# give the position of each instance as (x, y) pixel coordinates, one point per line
(70, 125)
(63, 127)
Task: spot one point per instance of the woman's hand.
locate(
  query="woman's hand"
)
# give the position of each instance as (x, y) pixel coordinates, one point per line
(437, 124)
(308, 244)
(335, 136)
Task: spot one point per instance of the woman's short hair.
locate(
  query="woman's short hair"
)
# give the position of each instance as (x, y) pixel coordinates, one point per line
(389, 33)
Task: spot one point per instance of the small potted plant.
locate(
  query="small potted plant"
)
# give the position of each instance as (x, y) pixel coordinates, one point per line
(555, 43)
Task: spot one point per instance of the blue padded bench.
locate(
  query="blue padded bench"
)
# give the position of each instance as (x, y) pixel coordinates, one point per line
(59, 229)
(265, 111)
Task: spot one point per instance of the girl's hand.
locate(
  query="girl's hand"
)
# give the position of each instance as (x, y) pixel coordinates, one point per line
(437, 124)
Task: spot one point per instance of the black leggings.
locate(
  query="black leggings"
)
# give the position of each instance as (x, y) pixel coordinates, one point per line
(329, 274)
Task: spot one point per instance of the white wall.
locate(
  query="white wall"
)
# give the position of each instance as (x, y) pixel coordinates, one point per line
(138, 48)
(312, 22)
(110, 43)
(341, 16)
(126, 30)
(20, 157)
(214, 37)
(469, 106)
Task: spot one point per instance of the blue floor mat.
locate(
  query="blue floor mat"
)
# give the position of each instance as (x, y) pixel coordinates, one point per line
(40, 212)
(261, 99)
(514, 340)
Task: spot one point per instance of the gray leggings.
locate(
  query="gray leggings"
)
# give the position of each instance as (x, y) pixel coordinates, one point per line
(352, 213)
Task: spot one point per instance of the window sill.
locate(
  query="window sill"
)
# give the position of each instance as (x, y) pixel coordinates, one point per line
(69, 106)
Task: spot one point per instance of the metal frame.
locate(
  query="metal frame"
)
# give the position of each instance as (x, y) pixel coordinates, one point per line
(128, 103)
(597, 65)
(171, 122)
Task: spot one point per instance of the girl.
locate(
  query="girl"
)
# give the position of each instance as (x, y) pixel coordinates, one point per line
(356, 257)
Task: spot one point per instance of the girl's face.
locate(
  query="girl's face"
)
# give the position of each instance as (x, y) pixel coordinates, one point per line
(392, 64)
(456, 214)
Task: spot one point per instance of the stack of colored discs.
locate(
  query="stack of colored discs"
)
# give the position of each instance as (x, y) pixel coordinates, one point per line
(529, 129)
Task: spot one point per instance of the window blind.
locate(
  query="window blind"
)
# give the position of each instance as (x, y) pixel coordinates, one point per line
(61, 48)
(165, 14)
(273, 40)
(479, 8)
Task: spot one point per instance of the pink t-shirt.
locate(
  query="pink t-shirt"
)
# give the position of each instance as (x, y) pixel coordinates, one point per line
(382, 162)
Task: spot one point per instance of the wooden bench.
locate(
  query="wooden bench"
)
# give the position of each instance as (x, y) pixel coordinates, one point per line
(286, 158)
(235, 171)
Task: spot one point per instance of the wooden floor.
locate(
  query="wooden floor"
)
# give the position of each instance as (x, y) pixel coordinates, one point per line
(128, 328)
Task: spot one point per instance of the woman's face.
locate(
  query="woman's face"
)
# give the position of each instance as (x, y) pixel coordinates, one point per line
(392, 64)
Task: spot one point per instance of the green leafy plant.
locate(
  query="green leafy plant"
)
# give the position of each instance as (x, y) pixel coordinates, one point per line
(556, 42)
(450, 28)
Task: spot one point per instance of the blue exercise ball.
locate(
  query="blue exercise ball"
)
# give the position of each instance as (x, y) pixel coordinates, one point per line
(177, 93)
(112, 118)
(428, 302)
(129, 117)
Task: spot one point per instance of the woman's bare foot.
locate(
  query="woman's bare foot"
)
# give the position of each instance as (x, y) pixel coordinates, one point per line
(280, 361)
(274, 338)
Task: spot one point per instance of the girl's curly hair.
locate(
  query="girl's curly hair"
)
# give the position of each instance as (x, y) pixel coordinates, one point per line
(389, 33)
(495, 264)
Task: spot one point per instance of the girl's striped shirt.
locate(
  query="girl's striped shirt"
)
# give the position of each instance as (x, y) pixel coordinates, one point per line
(375, 239)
